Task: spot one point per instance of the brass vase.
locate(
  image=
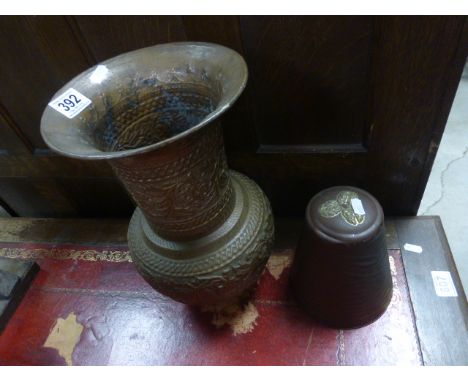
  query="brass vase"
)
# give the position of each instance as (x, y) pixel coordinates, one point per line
(201, 234)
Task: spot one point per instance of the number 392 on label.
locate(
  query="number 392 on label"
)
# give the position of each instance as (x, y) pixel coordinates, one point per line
(70, 103)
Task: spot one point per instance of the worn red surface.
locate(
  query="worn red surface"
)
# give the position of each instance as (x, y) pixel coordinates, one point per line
(125, 322)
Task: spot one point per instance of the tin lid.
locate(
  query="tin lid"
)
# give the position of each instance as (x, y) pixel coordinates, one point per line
(344, 214)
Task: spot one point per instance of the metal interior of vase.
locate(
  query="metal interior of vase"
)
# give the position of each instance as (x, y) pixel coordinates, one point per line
(149, 113)
(145, 99)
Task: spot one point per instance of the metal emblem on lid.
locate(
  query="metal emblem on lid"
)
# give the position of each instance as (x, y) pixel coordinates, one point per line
(342, 206)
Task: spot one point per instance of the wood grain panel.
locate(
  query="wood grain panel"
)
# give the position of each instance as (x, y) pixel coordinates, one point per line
(113, 35)
(36, 197)
(66, 197)
(310, 77)
(224, 30)
(330, 100)
(39, 55)
(442, 321)
(412, 95)
(237, 122)
(415, 65)
(97, 197)
(51, 166)
(10, 143)
(291, 179)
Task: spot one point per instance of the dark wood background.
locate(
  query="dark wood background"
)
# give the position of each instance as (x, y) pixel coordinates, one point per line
(330, 100)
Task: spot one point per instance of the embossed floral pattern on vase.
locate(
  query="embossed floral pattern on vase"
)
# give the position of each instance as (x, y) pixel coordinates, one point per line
(201, 234)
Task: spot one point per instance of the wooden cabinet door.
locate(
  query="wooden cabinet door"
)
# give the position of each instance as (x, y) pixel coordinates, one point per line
(331, 100)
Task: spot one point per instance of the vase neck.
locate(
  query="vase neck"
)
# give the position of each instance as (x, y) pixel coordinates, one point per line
(184, 188)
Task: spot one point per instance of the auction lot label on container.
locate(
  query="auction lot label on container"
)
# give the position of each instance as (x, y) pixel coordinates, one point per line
(443, 284)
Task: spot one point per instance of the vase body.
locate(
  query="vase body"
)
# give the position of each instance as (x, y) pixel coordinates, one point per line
(201, 234)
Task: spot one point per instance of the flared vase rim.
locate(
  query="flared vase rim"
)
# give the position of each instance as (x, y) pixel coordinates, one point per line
(220, 108)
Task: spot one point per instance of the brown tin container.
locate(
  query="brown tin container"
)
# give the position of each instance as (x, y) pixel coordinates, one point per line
(341, 272)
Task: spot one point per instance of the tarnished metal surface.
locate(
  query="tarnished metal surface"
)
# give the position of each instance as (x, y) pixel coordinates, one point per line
(184, 188)
(201, 234)
(146, 99)
(342, 205)
(219, 266)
